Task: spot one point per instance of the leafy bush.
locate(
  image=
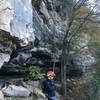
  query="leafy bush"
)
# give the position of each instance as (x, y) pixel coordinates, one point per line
(82, 90)
(87, 87)
(35, 73)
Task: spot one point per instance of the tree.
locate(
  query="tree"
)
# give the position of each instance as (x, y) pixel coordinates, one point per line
(80, 14)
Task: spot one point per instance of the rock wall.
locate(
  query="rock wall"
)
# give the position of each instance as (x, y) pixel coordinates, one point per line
(15, 21)
(16, 18)
(6, 14)
(47, 20)
(21, 24)
(41, 20)
(23, 19)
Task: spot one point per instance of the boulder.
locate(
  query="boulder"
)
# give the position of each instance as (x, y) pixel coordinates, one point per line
(34, 87)
(38, 92)
(1, 96)
(16, 91)
(30, 85)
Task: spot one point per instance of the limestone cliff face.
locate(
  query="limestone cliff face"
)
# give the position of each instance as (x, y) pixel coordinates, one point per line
(22, 21)
(15, 20)
(6, 14)
(47, 20)
(24, 18)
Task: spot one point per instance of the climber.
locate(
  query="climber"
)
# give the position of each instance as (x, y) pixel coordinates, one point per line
(49, 87)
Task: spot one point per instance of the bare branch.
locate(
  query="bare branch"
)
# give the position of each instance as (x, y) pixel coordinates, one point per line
(72, 16)
(81, 24)
(79, 4)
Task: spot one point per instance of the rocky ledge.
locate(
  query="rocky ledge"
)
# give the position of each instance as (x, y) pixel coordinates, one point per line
(19, 89)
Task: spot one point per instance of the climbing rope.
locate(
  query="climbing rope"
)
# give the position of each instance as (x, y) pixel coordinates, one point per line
(54, 62)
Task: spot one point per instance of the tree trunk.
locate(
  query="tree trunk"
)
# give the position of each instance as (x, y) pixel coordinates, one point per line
(63, 75)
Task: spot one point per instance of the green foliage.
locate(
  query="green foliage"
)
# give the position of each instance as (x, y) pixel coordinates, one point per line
(94, 45)
(82, 90)
(87, 87)
(96, 74)
(82, 12)
(35, 73)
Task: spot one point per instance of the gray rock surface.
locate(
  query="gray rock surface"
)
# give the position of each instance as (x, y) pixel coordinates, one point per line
(6, 14)
(16, 18)
(38, 92)
(46, 21)
(4, 58)
(21, 24)
(1, 96)
(23, 19)
(85, 58)
(16, 91)
(15, 21)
